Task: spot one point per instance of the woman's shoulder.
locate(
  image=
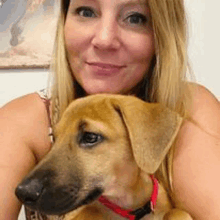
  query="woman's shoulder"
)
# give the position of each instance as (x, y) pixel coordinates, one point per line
(27, 117)
(205, 109)
(23, 108)
(197, 157)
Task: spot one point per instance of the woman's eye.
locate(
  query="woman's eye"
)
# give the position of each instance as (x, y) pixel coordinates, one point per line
(137, 18)
(85, 12)
(89, 139)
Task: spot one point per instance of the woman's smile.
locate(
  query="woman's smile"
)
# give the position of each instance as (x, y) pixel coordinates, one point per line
(104, 69)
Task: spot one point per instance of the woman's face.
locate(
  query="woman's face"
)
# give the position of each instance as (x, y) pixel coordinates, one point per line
(110, 44)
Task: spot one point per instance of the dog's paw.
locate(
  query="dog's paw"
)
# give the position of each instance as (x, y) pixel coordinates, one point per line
(177, 214)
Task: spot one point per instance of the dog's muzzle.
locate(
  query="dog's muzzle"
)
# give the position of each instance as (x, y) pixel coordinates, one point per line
(43, 195)
(39, 192)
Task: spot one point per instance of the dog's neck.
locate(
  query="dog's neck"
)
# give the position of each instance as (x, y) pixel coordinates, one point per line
(136, 195)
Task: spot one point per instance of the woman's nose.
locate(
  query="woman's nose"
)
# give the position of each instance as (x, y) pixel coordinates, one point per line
(106, 35)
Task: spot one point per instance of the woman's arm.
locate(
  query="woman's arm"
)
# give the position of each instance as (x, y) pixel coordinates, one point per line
(23, 141)
(197, 158)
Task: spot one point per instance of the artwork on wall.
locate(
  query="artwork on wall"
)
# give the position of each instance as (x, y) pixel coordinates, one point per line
(27, 33)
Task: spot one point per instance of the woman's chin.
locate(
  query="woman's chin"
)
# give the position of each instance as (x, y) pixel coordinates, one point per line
(98, 90)
(93, 92)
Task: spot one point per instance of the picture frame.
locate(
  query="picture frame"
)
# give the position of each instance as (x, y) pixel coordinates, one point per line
(27, 30)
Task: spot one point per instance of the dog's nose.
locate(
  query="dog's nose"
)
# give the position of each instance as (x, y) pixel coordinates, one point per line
(29, 191)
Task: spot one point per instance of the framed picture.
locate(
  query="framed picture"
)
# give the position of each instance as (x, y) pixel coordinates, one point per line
(27, 32)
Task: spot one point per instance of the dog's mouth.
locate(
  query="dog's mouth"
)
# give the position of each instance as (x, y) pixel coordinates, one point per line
(59, 200)
(67, 203)
(92, 196)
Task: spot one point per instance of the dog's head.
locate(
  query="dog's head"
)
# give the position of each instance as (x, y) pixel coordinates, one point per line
(102, 142)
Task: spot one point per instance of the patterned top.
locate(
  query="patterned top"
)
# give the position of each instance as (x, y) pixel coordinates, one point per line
(34, 215)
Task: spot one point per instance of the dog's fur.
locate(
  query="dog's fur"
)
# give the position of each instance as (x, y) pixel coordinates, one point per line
(130, 139)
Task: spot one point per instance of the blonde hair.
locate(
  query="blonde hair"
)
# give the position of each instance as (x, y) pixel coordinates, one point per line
(167, 78)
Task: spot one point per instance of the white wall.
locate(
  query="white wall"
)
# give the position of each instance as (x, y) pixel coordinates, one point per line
(15, 83)
(204, 42)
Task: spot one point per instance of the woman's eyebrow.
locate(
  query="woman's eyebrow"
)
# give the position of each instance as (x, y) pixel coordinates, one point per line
(75, 1)
(133, 2)
(121, 2)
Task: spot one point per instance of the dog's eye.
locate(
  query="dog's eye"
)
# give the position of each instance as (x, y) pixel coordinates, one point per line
(89, 139)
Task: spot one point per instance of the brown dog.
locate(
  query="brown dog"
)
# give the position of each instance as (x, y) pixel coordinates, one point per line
(107, 145)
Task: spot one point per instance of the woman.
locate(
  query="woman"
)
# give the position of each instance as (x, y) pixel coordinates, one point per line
(130, 47)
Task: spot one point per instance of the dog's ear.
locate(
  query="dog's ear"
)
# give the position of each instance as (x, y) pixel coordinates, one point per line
(152, 130)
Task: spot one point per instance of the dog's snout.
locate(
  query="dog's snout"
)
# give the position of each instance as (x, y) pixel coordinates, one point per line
(29, 191)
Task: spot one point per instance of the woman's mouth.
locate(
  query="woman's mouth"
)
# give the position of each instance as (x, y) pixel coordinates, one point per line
(104, 69)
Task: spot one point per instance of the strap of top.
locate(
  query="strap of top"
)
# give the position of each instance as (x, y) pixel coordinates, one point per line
(46, 101)
(44, 96)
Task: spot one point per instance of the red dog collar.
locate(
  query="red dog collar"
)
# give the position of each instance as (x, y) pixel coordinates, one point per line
(136, 214)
